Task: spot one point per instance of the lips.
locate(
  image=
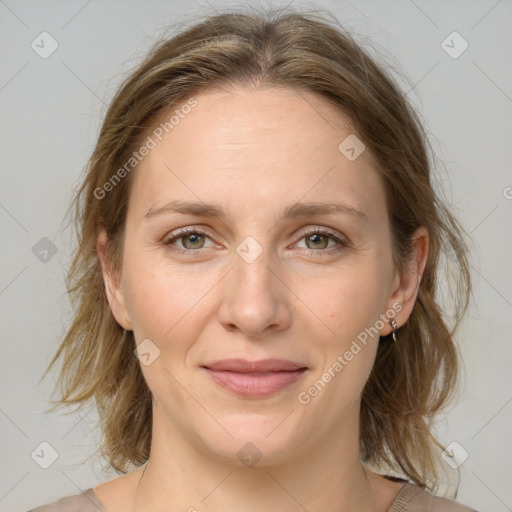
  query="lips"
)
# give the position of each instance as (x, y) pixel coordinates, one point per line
(255, 379)
(244, 366)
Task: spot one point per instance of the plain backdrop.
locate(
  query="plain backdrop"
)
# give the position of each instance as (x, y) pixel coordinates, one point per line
(51, 109)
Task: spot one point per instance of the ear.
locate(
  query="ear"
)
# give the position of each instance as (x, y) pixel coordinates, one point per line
(113, 288)
(405, 286)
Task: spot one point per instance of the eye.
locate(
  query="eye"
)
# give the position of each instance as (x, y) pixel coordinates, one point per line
(318, 240)
(191, 239)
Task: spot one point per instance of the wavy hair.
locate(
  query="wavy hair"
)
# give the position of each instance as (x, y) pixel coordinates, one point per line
(411, 380)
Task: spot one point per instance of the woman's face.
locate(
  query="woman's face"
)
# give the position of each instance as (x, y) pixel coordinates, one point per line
(251, 175)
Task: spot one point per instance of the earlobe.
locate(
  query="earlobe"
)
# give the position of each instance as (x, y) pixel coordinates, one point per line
(406, 285)
(112, 283)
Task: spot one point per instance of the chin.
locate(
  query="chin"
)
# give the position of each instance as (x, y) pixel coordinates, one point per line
(257, 439)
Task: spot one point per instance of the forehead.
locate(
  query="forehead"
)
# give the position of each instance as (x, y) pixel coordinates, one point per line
(266, 146)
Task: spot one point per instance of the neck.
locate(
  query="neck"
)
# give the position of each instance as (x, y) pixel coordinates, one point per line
(328, 476)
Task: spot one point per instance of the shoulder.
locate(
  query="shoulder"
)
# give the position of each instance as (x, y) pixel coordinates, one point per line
(412, 498)
(83, 502)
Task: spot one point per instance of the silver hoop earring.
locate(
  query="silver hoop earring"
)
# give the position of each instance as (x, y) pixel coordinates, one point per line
(393, 326)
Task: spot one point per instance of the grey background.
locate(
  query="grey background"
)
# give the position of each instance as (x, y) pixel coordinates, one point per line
(51, 111)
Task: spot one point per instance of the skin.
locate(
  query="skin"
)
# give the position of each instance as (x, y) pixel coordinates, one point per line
(255, 152)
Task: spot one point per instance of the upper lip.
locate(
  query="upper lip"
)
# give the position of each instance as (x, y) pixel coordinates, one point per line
(245, 366)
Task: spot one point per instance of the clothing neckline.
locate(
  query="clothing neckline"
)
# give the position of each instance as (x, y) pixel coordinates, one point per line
(403, 494)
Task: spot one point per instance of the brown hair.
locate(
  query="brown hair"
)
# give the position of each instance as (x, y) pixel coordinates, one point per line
(411, 380)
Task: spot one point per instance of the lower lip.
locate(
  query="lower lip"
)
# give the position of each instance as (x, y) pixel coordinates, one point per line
(253, 385)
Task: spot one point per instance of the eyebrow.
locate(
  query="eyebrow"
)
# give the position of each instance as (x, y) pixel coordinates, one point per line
(296, 210)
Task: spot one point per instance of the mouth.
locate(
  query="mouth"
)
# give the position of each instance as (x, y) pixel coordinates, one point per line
(255, 379)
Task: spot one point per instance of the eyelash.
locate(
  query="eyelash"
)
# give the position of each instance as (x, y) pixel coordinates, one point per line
(343, 243)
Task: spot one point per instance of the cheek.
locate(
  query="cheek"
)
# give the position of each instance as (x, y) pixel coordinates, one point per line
(347, 300)
(164, 300)
(347, 306)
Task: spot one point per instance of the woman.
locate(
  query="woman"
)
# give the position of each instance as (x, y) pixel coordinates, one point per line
(255, 280)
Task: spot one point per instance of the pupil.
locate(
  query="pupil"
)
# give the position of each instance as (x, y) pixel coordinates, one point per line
(193, 240)
(317, 240)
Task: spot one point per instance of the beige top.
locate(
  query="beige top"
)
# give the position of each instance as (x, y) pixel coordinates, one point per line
(410, 498)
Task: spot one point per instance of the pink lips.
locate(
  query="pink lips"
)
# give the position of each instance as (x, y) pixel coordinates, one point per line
(255, 379)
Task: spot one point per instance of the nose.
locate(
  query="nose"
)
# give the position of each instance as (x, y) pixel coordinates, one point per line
(254, 298)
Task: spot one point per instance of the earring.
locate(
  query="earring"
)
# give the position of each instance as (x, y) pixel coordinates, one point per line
(393, 326)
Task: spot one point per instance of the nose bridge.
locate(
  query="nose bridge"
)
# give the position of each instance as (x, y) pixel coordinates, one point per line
(254, 299)
(255, 273)
(253, 277)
